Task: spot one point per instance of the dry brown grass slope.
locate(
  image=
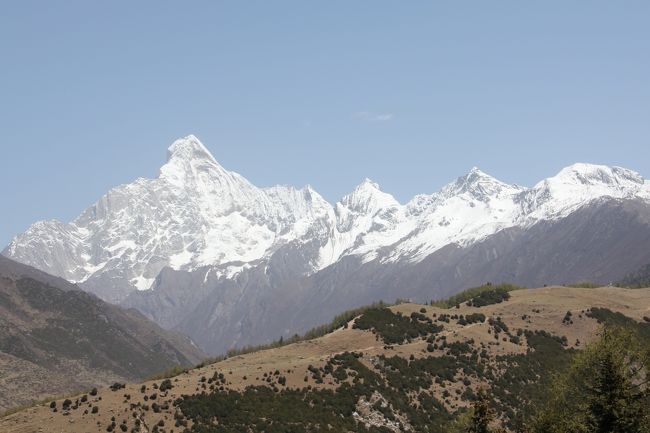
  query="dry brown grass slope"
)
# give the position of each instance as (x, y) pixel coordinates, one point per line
(530, 309)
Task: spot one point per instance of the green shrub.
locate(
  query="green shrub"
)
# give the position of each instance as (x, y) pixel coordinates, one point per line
(489, 297)
(475, 292)
(601, 391)
(116, 386)
(165, 385)
(395, 328)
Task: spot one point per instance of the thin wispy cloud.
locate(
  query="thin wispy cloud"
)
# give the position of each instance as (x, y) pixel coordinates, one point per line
(368, 116)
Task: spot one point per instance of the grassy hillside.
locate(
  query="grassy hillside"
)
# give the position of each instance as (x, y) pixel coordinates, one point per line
(399, 368)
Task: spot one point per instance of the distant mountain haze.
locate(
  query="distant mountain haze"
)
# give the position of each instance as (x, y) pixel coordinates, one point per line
(201, 250)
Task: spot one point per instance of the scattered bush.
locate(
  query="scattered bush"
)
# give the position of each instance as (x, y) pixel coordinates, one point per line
(117, 386)
(165, 385)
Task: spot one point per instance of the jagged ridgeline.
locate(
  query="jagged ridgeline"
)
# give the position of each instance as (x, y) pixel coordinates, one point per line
(201, 250)
(384, 368)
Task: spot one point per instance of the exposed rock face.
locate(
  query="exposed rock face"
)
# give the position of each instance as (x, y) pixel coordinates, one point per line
(202, 250)
(369, 416)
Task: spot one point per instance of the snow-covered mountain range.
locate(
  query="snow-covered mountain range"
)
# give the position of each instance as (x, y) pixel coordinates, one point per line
(198, 214)
(197, 217)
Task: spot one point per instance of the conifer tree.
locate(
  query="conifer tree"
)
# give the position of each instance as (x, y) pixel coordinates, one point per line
(604, 391)
(615, 394)
(483, 415)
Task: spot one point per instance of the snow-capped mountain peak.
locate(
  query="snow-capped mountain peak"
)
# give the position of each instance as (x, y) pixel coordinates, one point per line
(577, 185)
(478, 185)
(597, 175)
(189, 148)
(188, 160)
(368, 198)
(197, 214)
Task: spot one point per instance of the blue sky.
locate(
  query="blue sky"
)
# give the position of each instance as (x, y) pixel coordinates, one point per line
(410, 94)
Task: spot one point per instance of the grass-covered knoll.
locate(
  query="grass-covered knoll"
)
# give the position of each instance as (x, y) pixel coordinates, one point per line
(519, 383)
(319, 331)
(338, 322)
(395, 328)
(479, 296)
(405, 385)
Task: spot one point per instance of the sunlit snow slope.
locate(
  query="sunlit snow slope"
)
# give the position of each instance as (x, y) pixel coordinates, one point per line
(196, 214)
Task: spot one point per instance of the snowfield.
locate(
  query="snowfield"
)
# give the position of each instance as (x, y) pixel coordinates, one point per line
(197, 214)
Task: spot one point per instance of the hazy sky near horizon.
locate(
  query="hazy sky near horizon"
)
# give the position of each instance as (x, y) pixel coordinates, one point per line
(410, 94)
